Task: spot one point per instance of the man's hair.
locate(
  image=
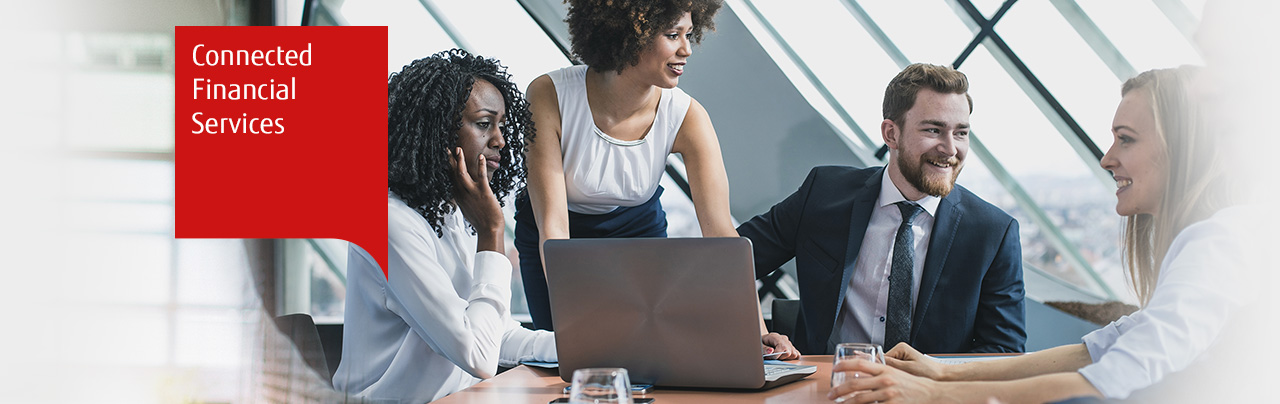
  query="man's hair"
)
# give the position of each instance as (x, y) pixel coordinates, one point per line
(900, 95)
(425, 101)
(610, 34)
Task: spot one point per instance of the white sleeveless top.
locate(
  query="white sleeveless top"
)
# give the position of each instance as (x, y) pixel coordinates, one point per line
(602, 173)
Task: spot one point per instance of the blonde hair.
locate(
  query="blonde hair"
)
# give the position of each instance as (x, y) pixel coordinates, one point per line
(1197, 184)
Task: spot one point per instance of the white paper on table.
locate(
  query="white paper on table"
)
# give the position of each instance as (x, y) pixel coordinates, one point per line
(956, 360)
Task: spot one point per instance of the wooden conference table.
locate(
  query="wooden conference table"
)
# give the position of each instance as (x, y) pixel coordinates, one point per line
(537, 386)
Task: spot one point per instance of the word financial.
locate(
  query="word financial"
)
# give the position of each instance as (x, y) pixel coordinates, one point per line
(270, 90)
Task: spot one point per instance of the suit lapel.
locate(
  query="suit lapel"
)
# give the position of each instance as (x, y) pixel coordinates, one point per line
(864, 202)
(945, 226)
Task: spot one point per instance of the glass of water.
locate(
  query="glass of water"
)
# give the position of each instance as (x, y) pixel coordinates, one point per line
(854, 351)
(600, 385)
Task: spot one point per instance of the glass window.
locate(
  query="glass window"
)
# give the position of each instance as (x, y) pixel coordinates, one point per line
(1065, 64)
(119, 268)
(928, 32)
(1196, 7)
(1142, 33)
(507, 34)
(988, 8)
(1037, 155)
(293, 12)
(313, 278)
(122, 336)
(847, 61)
(155, 305)
(1037, 248)
(120, 110)
(213, 272)
(211, 337)
(328, 279)
(411, 31)
(119, 180)
(34, 123)
(122, 217)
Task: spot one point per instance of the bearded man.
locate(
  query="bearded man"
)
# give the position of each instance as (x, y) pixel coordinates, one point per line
(900, 253)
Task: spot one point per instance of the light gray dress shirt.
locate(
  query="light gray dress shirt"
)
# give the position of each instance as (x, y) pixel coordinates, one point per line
(866, 297)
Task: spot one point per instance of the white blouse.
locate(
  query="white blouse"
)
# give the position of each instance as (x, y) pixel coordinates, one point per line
(438, 323)
(1206, 277)
(602, 173)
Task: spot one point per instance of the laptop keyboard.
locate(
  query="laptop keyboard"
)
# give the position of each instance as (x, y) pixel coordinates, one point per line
(774, 370)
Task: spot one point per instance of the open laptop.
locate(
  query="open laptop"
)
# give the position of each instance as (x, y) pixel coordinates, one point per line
(677, 312)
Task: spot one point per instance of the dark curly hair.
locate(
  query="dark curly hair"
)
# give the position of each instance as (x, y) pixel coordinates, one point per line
(610, 34)
(424, 113)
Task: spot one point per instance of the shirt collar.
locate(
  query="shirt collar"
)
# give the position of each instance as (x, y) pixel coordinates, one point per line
(889, 194)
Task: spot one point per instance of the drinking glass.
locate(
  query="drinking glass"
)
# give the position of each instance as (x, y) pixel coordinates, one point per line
(854, 351)
(600, 385)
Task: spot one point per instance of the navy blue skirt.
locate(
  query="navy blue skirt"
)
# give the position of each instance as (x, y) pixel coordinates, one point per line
(645, 220)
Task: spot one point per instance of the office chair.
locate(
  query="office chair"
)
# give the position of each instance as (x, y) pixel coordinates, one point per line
(331, 340)
(786, 313)
(302, 331)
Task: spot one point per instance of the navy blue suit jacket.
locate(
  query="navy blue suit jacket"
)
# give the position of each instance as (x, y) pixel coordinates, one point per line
(970, 297)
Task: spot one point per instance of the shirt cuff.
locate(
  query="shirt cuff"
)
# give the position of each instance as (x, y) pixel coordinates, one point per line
(492, 268)
(1118, 373)
(1100, 340)
(491, 277)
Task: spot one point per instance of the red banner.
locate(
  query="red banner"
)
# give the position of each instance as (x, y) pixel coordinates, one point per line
(281, 132)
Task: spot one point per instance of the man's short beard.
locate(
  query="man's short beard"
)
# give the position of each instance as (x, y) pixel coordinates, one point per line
(915, 176)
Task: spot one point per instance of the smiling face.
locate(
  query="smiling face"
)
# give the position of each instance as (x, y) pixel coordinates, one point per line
(481, 128)
(663, 61)
(927, 150)
(1136, 158)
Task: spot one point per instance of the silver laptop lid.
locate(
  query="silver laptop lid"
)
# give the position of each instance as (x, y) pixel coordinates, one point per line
(673, 311)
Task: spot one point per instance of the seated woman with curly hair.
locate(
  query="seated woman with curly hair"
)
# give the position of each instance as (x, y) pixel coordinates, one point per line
(606, 129)
(439, 320)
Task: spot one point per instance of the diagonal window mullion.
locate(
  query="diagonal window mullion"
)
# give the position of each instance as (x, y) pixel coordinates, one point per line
(1178, 14)
(866, 144)
(1082, 143)
(1094, 37)
(1006, 180)
(988, 28)
(448, 27)
(1066, 125)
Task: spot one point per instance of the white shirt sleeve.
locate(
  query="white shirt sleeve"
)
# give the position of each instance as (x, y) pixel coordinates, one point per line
(466, 331)
(521, 344)
(1200, 286)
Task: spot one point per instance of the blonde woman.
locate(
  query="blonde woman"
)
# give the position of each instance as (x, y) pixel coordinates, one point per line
(1183, 250)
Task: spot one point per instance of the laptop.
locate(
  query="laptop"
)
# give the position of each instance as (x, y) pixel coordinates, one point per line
(675, 312)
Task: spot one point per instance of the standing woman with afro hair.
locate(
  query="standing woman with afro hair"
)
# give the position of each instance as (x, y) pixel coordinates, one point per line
(605, 130)
(439, 320)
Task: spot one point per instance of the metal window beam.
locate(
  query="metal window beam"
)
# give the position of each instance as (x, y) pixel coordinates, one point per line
(1020, 195)
(445, 25)
(1002, 175)
(877, 34)
(1057, 115)
(1094, 37)
(541, 12)
(1083, 145)
(317, 13)
(1180, 16)
(863, 151)
(986, 28)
